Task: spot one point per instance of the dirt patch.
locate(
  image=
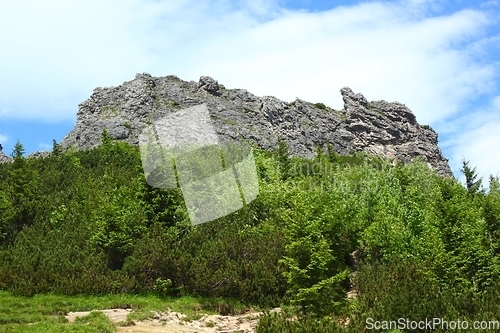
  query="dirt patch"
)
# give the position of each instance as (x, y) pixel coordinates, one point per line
(244, 323)
(150, 326)
(115, 315)
(175, 322)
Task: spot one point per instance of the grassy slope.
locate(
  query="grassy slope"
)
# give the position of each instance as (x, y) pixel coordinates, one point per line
(45, 313)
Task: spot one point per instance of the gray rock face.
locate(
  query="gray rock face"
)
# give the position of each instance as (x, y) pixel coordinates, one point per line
(4, 158)
(377, 127)
(39, 154)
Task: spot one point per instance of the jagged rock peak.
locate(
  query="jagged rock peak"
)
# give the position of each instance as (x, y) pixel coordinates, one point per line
(209, 85)
(377, 127)
(351, 98)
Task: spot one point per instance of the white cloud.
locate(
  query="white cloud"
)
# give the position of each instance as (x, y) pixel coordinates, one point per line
(45, 146)
(312, 56)
(54, 58)
(3, 138)
(477, 140)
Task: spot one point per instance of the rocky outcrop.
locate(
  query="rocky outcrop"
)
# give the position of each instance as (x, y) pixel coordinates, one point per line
(378, 127)
(39, 154)
(4, 158)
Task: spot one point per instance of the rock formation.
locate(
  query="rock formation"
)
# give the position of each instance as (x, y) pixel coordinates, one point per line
(377, 127)
(39, 154)
(4, 158)
(36, 154)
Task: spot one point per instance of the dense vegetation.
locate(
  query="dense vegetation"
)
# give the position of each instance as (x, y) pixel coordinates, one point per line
(407, 242)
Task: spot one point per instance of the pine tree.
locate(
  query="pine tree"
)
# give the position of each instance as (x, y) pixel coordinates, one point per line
(473, 184)
(494, 184)
(18, 150)
(284, 159)
(56, 148)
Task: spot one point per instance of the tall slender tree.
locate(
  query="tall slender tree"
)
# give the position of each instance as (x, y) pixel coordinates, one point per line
(473, 184)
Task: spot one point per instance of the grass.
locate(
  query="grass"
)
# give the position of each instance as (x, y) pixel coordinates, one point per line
(168, 103)
(107, 112)
(342, 114)
(231, 122)
(94, 322)
(189, 318)
(45, 312)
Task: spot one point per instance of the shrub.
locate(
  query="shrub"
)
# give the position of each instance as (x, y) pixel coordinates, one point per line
(275, 322)
(163, 287)
(320, 106)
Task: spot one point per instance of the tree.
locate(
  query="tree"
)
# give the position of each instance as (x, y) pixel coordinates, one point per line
(474, 185)
(18, 150)
(56, 148)
(314, 254)
(494, 184)
(284, 159)
(20, 189)
(491, 211)
(117, 222)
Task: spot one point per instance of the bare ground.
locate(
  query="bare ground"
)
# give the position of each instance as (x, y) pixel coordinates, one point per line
(175, 322)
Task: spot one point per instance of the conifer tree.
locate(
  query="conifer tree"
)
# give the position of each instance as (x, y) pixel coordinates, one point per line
(473, 184)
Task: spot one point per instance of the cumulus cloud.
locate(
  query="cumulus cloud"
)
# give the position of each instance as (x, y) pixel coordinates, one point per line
(3, 138)
(477, 139)
(390, 51)
(376, 49)
(45, 146)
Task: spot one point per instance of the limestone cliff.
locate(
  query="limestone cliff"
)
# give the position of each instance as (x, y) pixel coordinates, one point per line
(377, 127)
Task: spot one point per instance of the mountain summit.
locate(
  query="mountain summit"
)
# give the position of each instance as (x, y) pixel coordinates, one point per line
(378, 127)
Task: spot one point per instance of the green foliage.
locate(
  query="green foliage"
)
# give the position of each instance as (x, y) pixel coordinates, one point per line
(494, 184)
(18, 150)
(19, 197)
(491, 213)
(106, 139)
(117, 221)
(56, 148)
(400, 289)
(163, 287)
(88, 222)
(411, 289)
(314, 254)
(472, 183)
(320, 106)
(271, 323)
(164, 206)
(283, 159)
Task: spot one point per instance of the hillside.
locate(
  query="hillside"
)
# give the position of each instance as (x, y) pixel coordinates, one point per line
(336, 238)
(406, 241)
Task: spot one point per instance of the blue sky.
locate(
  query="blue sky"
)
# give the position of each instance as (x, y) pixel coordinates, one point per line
(439, 57)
